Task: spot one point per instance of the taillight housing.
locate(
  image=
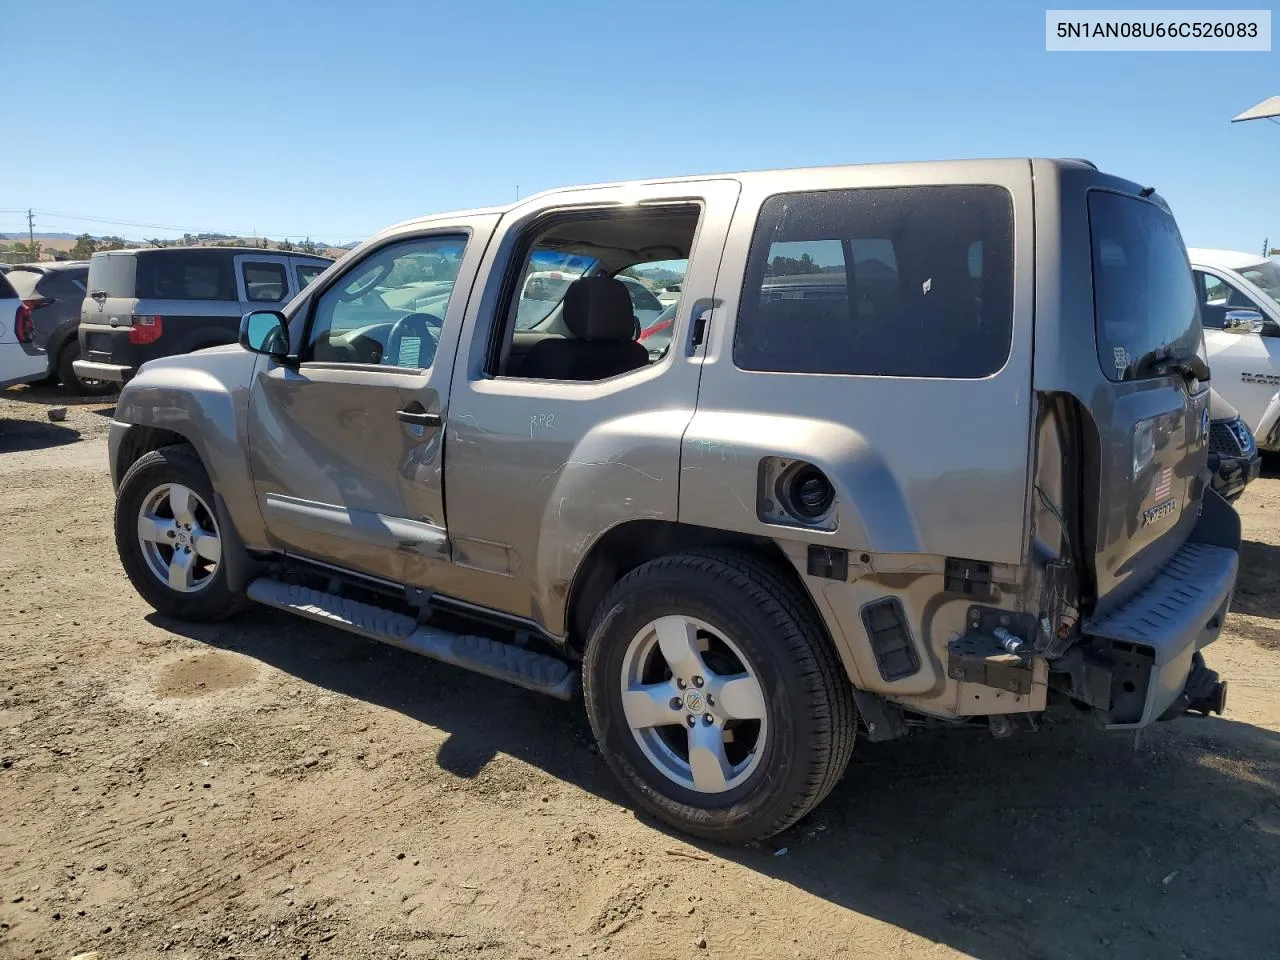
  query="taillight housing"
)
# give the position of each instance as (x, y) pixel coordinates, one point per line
(146, 330)
(23, 325)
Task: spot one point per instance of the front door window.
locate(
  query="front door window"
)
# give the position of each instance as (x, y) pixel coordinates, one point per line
(388, 309)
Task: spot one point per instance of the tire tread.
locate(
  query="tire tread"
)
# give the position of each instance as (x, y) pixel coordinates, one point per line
(809, 649)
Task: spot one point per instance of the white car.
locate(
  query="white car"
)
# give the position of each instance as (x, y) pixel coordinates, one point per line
(20, 362)
(1240, 305)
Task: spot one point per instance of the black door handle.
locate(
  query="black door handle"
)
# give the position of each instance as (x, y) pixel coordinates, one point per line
(420, 417)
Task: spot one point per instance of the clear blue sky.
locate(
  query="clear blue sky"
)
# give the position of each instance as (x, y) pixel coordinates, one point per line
(335, 119)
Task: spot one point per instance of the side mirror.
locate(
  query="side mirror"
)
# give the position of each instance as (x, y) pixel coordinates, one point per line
(1243, 321)
(264, 331)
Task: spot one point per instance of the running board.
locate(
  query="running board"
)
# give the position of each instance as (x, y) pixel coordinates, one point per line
(502, 661)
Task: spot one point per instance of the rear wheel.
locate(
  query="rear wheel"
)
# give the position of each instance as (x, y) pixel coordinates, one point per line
(168, 536)
(67, 356)
(716, 697)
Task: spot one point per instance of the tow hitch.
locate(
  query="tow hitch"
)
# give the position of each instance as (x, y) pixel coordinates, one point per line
(1204, 693)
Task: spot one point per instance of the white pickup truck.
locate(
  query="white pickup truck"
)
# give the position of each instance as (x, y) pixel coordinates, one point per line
(1240, 308)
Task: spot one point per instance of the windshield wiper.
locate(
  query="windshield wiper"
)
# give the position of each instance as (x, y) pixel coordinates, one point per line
(1160, 363)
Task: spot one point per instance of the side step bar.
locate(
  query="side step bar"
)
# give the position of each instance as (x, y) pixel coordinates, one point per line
(502, 661)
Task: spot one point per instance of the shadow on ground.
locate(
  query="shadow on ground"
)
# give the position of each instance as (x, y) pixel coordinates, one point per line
(18, 435)
(1258, 584)
(1064, 843)
(54, 395)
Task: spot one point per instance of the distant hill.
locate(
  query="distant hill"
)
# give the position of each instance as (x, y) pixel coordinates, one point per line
(58, 245)
(39, 236)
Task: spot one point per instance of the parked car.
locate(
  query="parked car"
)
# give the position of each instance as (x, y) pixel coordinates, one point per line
(657, 336)
(143, 304)
(1234, 458)
(21, 361)
(1238, 303)
(866, 504)
(54, 292)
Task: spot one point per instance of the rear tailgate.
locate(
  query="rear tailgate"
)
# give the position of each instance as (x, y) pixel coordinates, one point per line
(1152, 412)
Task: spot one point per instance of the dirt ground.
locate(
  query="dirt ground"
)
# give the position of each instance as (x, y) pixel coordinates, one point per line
(270, 788)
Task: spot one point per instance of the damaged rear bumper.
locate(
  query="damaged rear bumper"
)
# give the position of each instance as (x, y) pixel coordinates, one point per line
(1144, 656)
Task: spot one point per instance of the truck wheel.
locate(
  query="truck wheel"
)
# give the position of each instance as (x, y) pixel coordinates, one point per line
(168, 537)
(67, 356)
(716, 697)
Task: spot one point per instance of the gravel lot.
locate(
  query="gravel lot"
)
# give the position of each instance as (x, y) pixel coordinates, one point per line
(269, 788)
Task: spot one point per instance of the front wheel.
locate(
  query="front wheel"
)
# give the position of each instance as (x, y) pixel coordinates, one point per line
(716, 697)
(168, 536)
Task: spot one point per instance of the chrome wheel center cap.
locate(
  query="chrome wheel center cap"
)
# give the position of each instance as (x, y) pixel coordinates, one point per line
(694, 701)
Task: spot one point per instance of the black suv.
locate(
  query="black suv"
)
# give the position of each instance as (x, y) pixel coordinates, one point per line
(144, 304)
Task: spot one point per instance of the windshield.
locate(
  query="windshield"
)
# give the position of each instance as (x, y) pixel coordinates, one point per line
(1144, 297)
(1266, 277)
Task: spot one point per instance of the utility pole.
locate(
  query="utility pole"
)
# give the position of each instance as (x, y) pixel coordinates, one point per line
(31, 231)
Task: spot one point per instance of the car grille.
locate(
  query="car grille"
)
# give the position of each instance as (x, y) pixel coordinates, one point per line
(1245, 436)
(1230, 438)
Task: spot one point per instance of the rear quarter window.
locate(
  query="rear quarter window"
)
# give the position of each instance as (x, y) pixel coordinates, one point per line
(25, 281)
(1144, 295)
(887, 281)
(186, 275)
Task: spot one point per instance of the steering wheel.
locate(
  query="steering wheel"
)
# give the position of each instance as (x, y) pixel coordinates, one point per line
(408, 329)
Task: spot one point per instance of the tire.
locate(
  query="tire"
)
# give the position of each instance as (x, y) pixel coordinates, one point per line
(67, 356)
(750, 619)
(151, 487)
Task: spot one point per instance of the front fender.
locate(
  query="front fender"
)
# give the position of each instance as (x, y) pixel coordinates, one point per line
(204, 399)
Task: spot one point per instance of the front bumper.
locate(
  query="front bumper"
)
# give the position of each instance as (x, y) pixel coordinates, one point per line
(1152, 641)
(94, 370)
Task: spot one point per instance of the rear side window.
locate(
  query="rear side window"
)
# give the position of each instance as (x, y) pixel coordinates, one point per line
(186, 275)
(1144, 297)
(25, 281)
(265, 282)
(6, 289)
(893, 281)
(308, 272)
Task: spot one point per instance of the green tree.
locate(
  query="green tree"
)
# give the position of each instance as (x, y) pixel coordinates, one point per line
(31, 251)
(286, 245)
(84, 248)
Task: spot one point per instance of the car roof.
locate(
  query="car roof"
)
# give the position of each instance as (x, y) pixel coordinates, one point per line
(49, 266)
(234, 251)
(1226, 259)
(744, 175)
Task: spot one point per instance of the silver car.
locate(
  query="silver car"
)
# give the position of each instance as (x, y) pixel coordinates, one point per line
(928, 441)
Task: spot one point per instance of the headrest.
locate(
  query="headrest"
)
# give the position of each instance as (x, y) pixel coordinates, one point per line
(599, 308)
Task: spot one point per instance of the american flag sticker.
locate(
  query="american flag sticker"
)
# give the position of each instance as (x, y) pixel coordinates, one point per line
(1163, 486)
